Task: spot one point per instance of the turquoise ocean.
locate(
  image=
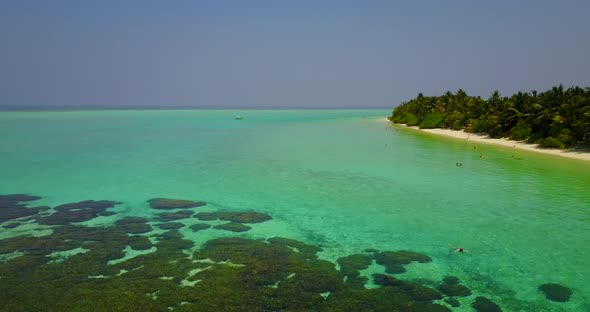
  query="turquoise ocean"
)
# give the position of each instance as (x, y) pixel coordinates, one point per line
(345, 180)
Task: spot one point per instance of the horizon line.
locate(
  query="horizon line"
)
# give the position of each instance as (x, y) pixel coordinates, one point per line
(9, 108)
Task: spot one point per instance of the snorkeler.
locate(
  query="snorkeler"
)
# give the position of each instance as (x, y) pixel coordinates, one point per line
(458, 249)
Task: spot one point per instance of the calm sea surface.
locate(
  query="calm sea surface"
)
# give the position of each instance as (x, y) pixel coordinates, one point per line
(345, 180)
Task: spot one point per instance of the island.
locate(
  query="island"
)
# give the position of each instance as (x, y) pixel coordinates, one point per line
(556, 119)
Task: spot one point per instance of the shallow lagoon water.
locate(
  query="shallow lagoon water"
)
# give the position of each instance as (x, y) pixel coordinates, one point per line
(344, 180)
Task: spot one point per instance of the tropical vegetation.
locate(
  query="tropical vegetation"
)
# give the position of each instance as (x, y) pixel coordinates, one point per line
(556, 118)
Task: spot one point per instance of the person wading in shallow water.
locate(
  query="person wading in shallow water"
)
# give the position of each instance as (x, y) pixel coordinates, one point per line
(458, 249)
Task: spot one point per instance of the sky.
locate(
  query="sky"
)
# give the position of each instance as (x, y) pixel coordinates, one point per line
(284, 54)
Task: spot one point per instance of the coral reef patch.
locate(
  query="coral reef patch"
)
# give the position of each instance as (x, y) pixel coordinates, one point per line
(225, 274)
(453, 302)
(168, 203)
(393, 261)
(77, 212)
(12, 207)
(134, 225)
(170, 225)
(16, 198)
(199, 227)
(556, 292)
(238, 217)
(483, 304)
(173, 216)
(451, 280)
(233, 227)
(454, 290)
(351, 265)
(140, 243)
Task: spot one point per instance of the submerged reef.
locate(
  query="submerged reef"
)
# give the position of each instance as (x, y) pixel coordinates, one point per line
(16, 198)
(77, 212)
(452, 288)
(140, 243)
(233, 227)
(236, 220)
(167, 203)
(453, 302)
(415, 291)
(129, 266)
(351, 265)
(305, 250)
(451, 280)
(556, 292)
(393, 261)
(355, 262)
(134, 225)
(238, 217)
(170, 225)
(12, 207)
(199, 227)
(226, 274)
(173, 216)
(483, 304)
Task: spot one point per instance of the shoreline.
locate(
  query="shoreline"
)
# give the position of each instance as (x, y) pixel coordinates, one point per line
(519, 145)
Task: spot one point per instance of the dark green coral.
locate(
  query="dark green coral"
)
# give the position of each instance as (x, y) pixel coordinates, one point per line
(393, 261)
(225, 274)
(556, 292)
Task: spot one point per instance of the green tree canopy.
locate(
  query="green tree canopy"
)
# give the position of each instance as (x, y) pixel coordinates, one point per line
(557, 117)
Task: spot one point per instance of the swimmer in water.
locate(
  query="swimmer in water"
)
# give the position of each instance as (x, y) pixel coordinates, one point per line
(458, 249)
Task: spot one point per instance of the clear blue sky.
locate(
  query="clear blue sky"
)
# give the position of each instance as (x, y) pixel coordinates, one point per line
(284, 53)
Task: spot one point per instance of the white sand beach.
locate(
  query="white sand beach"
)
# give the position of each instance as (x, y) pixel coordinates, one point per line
(458, 134)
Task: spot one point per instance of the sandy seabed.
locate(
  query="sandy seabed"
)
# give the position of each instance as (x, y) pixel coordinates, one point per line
(459, 134)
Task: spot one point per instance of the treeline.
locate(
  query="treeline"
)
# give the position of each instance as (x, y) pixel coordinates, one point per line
(556, 118)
